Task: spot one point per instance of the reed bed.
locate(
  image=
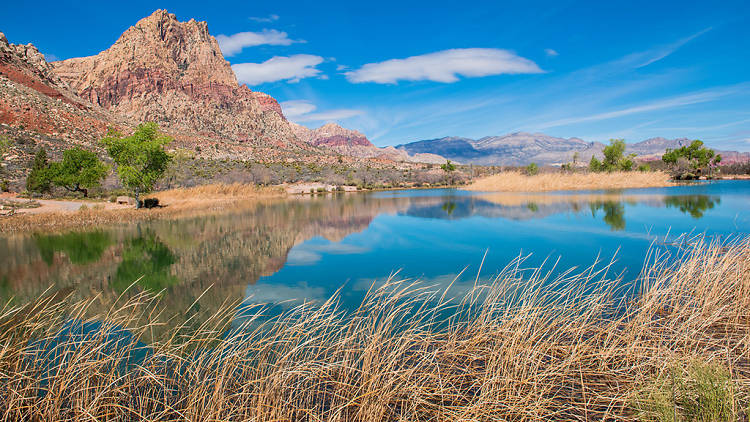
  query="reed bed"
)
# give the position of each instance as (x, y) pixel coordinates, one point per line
(514, 181)
(522, 346)
(219, 191)
(178, 203)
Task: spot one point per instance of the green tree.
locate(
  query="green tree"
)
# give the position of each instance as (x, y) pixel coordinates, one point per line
(79, 171)
(532, 169)
(697, 156)
(614, 158)
(140, 157)
(594, 164)
(38, 178)
(5, 143)
(449, 168)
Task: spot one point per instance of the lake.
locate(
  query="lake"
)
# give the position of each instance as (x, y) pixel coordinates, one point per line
(305, 248)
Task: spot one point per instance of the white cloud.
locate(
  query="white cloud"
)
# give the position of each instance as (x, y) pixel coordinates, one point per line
(295, 108)
(308, 254)
(445, 66)
(233, 44)
(268, 19)
(550, 52)
(300, 111)
(278, 68)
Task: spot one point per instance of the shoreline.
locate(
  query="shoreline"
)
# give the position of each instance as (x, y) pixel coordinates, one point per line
(62, 214)
(177, 203)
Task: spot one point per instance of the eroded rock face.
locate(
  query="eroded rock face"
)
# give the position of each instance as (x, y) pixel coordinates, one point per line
(173, 73)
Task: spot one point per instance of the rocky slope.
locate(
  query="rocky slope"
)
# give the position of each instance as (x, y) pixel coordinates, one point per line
(332, 137)
(174, 73)
(38, 108)
(523, 148)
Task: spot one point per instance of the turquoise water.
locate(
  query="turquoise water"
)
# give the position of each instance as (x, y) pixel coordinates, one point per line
(307, 248)
(442, 232)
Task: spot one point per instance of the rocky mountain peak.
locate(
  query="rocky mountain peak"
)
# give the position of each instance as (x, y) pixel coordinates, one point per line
(184, 49)
(173, 73)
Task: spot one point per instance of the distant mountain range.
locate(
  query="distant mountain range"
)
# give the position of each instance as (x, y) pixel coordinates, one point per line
(523, 148)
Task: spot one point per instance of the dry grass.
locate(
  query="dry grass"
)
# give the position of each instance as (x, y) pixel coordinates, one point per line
(217, 191)
(513, 181)
(178, 203)
(579, 347)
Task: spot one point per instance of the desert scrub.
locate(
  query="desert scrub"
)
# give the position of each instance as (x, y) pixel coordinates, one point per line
(696, 391)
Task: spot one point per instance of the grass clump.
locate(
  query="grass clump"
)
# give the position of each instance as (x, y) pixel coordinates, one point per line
(698, 391)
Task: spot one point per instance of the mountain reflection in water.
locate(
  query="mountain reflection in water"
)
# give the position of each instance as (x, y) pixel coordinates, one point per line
(216, 257)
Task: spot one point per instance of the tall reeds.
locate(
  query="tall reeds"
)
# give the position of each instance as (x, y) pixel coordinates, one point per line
(514, 181)
(523, 346)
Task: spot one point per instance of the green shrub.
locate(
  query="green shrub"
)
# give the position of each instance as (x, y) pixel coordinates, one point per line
(38, 180)
(532, 169)
(701, 391)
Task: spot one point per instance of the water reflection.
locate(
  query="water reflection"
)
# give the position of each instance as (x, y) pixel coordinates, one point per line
(148, 260)
(695, 205)
(614, 213)
(79, 247)
(216, 257)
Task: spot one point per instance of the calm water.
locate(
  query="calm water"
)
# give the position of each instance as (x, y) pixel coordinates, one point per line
(306, 248)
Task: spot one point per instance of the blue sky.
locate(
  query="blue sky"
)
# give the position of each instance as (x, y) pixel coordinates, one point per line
(401, 71)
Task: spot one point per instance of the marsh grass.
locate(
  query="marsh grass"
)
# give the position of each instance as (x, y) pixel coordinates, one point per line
(693, 391)
(183, 202)
(524, 346)
(514, 181)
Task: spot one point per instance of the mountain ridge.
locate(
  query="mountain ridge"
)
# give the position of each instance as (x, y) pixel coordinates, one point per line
(522, 148)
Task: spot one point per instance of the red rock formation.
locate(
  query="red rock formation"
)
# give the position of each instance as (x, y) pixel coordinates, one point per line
(33, 97)
(174, 73)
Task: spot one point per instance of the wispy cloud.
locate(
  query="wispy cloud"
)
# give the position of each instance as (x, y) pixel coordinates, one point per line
(550, 52)
(300, 111)
(266, 19)
(445, 66)
(660, 53)
(233, 44)
(278, 68)
(679, 101)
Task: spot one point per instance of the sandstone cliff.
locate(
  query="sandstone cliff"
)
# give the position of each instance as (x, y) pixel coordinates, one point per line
(173, 73)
